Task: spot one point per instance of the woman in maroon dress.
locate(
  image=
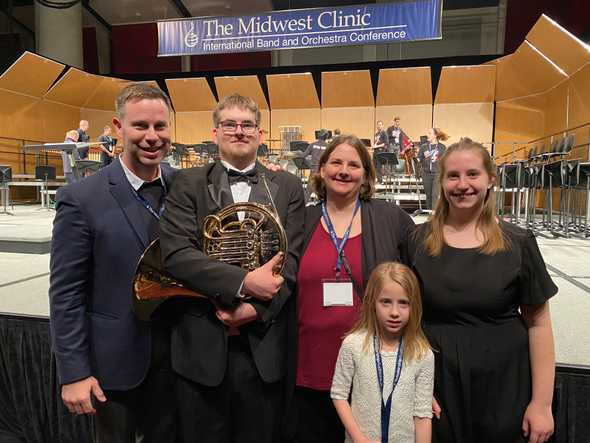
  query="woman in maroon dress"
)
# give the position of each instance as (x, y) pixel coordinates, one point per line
(330, 284)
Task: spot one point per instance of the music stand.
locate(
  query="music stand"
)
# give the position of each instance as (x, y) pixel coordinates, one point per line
(45, 173)
(5, 177)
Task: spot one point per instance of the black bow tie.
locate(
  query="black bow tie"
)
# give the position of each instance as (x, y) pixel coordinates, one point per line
(250, 176)
(157, 183)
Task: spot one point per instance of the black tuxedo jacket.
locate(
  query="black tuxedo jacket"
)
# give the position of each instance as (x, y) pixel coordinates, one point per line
(99, 232)
(199, 339)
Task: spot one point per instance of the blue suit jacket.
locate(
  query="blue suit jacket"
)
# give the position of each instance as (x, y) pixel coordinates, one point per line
(99, 233)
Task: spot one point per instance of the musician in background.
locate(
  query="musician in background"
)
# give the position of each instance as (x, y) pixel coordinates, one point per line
(229, 349)
(408, 153)
(429, 155)
(107, 149)
(316, 149)
(396, 136)
(83, 137)
(68, 158)
(109, 363)
(380, 142)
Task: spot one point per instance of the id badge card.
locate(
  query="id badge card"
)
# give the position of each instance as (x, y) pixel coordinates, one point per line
(337, 292)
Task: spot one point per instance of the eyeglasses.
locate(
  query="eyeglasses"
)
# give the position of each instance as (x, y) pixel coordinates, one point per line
(230, 127)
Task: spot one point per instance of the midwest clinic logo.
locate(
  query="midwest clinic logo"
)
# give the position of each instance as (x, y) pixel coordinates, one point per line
(191, 39)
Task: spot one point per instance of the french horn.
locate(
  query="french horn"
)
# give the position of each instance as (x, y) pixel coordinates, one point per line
(242, 234)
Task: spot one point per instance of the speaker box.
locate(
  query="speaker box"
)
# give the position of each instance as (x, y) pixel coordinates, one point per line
(5, 174)
(45, 173)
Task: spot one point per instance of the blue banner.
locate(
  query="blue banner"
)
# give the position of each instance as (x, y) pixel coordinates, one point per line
(303, 28)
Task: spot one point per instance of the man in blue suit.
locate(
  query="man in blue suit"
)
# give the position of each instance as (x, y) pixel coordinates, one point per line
(109, 363)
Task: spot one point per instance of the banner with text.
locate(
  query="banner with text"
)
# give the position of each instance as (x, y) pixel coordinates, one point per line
(303, 28)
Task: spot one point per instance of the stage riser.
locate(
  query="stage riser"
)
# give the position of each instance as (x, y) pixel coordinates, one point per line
(25, 247)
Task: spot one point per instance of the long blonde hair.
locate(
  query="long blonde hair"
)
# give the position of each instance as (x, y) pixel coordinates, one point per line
(415, 342)
(494, 239)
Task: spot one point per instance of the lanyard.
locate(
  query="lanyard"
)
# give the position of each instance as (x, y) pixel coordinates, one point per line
(338, 245)
(386, 407)
(146, 204)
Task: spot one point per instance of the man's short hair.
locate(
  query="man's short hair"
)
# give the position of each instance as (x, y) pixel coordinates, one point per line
(236, 101)
(139, 91)
(396, 119)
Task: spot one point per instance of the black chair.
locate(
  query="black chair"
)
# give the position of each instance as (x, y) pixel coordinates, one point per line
(298, 145)
(5, 174)
(5, 177)
(262, 150)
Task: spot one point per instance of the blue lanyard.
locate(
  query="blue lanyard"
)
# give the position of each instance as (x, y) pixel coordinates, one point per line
(338, 245)
(386, 407)
(146, 204)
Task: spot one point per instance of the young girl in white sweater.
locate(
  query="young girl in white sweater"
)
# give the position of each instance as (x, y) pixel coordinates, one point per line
(387, 362)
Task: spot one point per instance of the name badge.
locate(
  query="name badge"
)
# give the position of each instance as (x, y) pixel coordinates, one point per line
(337, 293)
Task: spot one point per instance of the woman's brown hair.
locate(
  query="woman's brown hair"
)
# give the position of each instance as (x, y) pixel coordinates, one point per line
(441, 136)
(367, 188)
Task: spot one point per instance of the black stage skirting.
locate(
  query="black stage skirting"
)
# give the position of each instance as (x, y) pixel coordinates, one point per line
(31, 410)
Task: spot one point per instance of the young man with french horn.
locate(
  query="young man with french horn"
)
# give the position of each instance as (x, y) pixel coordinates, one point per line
(229, 346)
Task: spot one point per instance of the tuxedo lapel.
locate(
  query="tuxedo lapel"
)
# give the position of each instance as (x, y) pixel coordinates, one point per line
(258, 193)
(218, 186)
(122, 192)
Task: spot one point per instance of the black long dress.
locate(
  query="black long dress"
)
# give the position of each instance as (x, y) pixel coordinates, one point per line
(480, 341)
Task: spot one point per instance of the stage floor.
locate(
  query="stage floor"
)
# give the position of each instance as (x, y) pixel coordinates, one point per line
(24, 279)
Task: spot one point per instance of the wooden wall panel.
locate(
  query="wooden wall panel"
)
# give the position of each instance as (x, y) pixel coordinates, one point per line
(559, 45)
(20, 116)
(346, 89)
(556, 109)
(104, 96)
(579, 98)
(359, 121)
(415, 119)
(246, 85)
(193, 127)
(310, 120)
(473, 120)
(74, 87)
(404, 86)
(466, 84)
(519, 121)
(265, 123)
(31, 74)
(292, 91)
(58, 119)
(523, 73)
(191, 94)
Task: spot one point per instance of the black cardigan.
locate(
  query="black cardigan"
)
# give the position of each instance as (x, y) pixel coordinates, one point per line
(384, 228)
